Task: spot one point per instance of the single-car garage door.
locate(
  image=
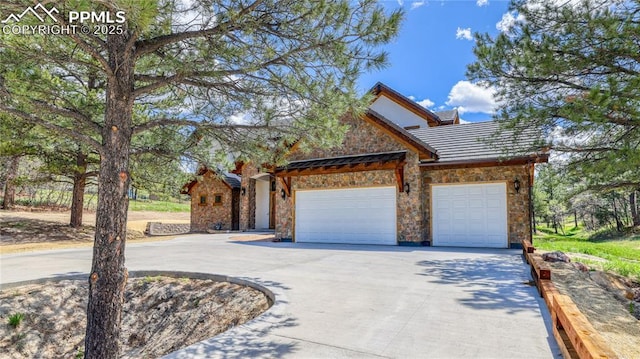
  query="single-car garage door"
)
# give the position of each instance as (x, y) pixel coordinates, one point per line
(354, 216)
(470, 215)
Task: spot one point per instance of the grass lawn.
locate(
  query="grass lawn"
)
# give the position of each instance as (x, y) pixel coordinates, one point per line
(159, 206)
(621, 255)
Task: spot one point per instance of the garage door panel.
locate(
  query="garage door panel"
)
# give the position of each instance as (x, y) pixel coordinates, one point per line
(470, 215)
(355, 215)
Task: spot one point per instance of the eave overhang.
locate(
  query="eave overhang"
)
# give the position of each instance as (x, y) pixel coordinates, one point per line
(487, 162)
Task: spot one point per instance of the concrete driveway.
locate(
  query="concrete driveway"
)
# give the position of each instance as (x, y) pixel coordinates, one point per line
(339, 301)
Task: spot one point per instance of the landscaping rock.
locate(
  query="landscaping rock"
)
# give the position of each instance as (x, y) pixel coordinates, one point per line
(613, 284)
(581, 267)
(556, 257)
(160, 315)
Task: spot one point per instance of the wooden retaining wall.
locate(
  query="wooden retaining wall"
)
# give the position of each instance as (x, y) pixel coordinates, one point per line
(576, 337)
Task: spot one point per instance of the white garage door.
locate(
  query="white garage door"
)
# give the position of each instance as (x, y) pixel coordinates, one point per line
(473, 215)
(354, 216)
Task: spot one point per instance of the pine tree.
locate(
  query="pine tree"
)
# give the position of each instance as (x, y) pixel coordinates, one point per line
(247, 75)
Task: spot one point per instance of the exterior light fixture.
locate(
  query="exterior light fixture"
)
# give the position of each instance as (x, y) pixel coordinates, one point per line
(283, 194)
(407, 188)
(516, 185)
(243, 191)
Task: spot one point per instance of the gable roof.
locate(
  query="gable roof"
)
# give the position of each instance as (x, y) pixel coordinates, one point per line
(229, 179)
(449, 117)
(466, 143)
(425, 152)
(380, 89)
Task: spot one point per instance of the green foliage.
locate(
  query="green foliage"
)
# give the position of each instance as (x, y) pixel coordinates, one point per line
(159, 206)
(620, 255)
(570, 70)
(151, 279)
(15, 319)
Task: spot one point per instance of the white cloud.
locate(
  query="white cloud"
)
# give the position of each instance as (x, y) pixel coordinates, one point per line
(426, 103)
(241, 118)
(474, 98)
(400, 2)
(482, 2)
(508, 21)
(464, 34)
(462, 122)
(417, 4)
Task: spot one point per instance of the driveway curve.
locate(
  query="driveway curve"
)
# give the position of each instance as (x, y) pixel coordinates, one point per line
(347, 301)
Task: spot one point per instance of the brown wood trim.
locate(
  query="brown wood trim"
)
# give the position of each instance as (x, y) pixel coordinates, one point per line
(286, 185)
(400, 178)
(424, 153)
(361, 167)
(218, 194)
(494, 162)
(381, 89)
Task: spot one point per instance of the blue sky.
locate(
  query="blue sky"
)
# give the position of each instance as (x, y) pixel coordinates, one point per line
(428, 59)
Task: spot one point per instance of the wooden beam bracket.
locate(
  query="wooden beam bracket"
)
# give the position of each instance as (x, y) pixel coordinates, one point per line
(286, 185)
(399, 171)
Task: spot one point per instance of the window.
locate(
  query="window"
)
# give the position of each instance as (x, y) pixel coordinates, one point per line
(203, 200)
(217, 199)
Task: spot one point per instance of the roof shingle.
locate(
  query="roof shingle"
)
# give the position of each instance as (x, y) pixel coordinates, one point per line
(468, 142)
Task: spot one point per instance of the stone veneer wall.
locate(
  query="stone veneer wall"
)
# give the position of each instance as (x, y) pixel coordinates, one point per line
(204, 217)
(360, 139)
(517, 203)
(248, 201)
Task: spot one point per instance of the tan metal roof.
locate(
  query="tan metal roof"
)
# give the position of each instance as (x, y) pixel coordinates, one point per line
(468, 142)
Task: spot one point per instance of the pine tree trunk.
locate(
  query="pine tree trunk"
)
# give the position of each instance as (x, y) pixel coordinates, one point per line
(9, 197)
(635, 213)
(79, 184)
(616, 216)
(108, 273)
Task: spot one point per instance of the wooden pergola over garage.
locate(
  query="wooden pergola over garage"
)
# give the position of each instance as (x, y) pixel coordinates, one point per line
(357, 163)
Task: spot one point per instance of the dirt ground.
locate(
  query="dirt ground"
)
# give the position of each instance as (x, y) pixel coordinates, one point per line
(26, 230)
(161, 315)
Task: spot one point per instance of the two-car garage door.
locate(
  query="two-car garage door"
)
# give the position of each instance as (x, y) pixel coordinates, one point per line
(353, 216)
(470, 215)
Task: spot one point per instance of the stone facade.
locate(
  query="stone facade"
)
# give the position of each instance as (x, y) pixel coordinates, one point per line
(413, 208)
(517, 203)
(206, 216)
(248, 200)
(361, 138)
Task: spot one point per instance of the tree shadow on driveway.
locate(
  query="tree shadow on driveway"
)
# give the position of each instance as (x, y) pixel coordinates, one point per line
(493, 282)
